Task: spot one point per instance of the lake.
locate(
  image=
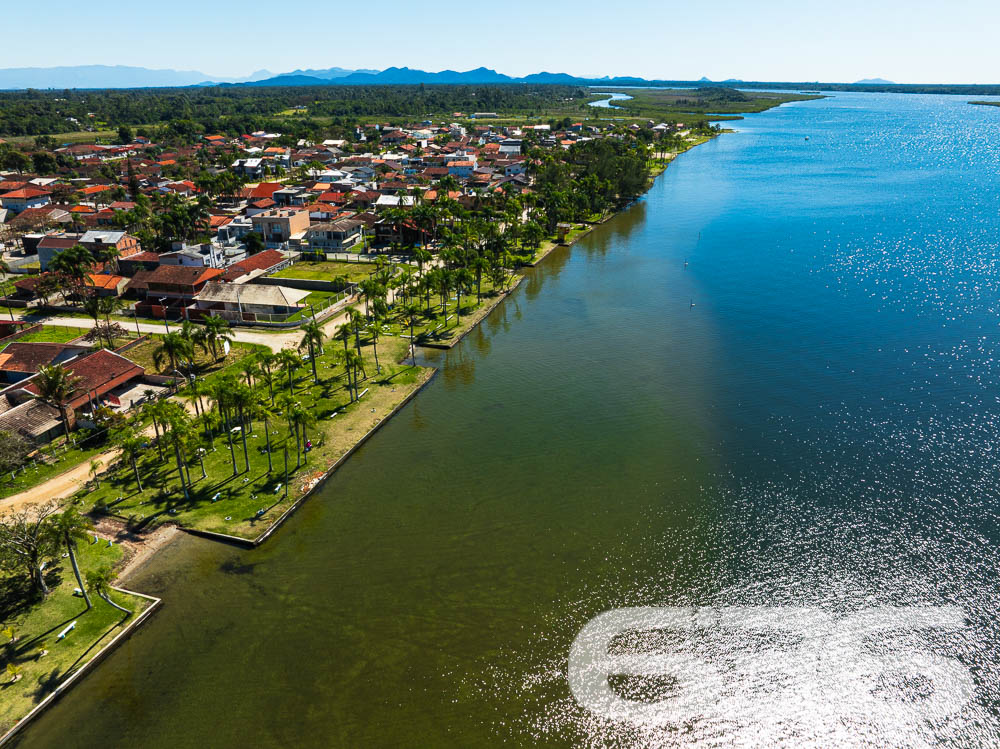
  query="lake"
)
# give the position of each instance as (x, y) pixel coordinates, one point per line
(763, 400)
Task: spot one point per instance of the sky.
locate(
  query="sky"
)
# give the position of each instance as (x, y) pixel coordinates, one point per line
(917, 41)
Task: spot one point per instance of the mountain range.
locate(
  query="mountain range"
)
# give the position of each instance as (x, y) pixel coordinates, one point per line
(121, 76)
(109, 76)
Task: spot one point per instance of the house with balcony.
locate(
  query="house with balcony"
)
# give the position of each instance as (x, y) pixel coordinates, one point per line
(335, 236)
(281, 226)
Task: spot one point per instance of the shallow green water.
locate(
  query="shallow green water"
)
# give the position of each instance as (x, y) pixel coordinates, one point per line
(772, 382)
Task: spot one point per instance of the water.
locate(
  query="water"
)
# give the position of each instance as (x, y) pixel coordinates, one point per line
(815, 438)
(606, 103)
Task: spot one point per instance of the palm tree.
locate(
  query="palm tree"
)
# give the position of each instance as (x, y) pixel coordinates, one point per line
(462, 278)
(312, 337)
(222, 394)
(99, 581)
(343, 333)
(173, 346)
(179, 434)
(376, 322)
(301, 418)
(155, 410)
(130, 440)
(262, 409)
(410, 312)
(249, 368)
(243, 402)
(290, 361)
(266, 361)
(352, 362)
(217, 332)
(69, 527)
(357, 320)
(56, 387)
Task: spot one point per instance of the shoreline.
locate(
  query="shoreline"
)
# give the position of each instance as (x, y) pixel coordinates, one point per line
(142, 548)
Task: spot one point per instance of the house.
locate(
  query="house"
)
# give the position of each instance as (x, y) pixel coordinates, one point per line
(279, 226)
(170, 286)
(511, 147)
(100, 374)
(29, 417)
(261, 264)
(19, 361)
(234, 230)
(135, 263)
(52, 244)
(250, 168)
(461, 169)
(206, 255)
(338, 236)
(245, 301)
(99, 240)
(16, 201)
(105, 284)
(42, 217)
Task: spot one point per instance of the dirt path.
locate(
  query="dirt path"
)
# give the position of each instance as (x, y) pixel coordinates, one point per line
(274, 341)
(66, 484)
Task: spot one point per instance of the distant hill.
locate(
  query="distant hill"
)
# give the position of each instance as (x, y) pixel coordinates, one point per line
(875, 81)
(106, 76)
(326, 73)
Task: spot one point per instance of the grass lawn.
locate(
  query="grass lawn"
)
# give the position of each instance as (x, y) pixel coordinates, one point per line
(53, 334)
(237, 499)
(36, 628)
(327, 270)
(443, 326)
(204, 362)
(37, 472)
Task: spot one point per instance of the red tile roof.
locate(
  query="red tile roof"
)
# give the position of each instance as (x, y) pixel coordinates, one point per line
(181, 275)
(26, 192)
(29, 356)
(100, 371)
(265, 190)
(260, 261)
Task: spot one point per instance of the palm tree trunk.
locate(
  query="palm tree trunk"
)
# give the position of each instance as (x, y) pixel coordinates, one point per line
(108, 600)
(232, 453)
(312, 358)
(298, 453)
(180, 470)
(243, 432)
(267, 439)
(135, 470)
(76, 569)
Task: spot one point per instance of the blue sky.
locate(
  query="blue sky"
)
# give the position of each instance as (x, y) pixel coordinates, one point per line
(915, 41)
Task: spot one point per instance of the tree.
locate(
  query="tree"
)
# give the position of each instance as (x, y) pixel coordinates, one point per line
(99, 581)
(27, 542)
(410, 313)
(172, 346)
(14, 450)
(301, 418)
(262, 410)
(69, 527)
(216, 333)
(223, 393)
(290, 361)
(125, 135)
(255, 243)
(129, 438)
(177, 436)
(44, 163)
(56, 387)
(313, 339)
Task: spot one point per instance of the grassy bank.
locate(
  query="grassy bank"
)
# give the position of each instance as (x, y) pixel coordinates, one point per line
(221, 502)
(38, 625)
